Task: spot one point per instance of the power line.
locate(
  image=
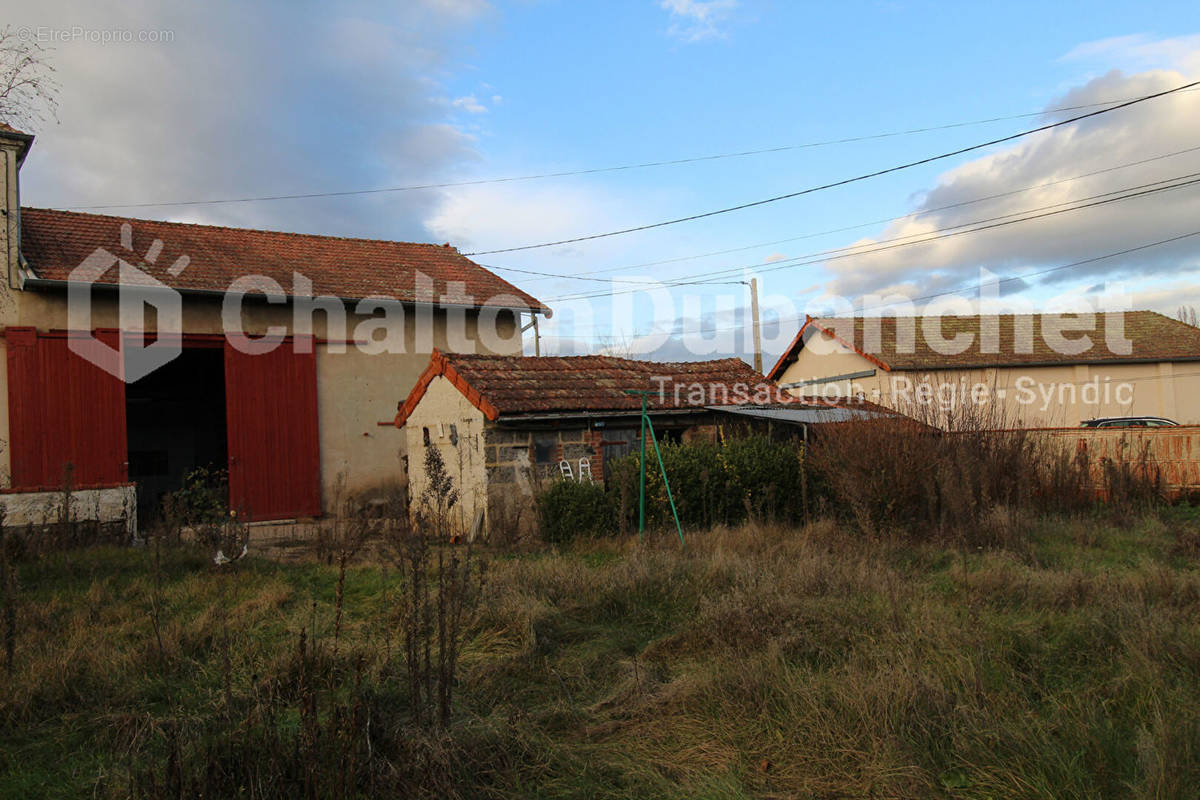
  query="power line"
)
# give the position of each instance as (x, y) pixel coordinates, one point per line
(1017, 278)
(843, 182)
(591, 170)
(582, 276)
(930, 236)
(1003, 281)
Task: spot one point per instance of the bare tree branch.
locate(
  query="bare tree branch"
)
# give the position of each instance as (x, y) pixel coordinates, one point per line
(28, 90)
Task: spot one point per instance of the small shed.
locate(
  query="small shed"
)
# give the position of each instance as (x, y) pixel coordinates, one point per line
(504, 425)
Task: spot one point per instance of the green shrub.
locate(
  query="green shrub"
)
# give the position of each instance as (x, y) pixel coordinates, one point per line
(712, 484)
(763, 478)
(203, 499)
(571, 509)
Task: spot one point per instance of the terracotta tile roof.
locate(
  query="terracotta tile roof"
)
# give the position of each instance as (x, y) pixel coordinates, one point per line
(55, 242)
(512, 385)
(1154, 337)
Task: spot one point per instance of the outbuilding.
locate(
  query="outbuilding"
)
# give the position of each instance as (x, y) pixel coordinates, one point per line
(504, 425)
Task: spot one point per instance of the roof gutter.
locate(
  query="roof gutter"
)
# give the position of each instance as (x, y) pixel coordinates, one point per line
(597, 415)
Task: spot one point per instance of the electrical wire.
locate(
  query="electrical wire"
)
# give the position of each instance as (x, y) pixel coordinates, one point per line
(583, 276)
(929, 236)
(833, 184)
(592, 170)
(781, 320)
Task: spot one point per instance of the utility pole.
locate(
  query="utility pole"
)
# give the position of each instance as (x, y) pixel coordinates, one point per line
(537, 337)
(758, 367)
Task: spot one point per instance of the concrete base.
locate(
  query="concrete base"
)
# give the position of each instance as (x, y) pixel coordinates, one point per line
(108, 504)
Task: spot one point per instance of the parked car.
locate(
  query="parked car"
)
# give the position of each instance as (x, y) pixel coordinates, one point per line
(1130, 422)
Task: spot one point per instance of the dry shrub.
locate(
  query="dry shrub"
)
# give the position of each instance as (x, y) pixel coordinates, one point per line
(964, 473)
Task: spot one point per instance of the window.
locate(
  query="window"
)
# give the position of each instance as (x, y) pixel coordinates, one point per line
(544, 447)
(425, 435)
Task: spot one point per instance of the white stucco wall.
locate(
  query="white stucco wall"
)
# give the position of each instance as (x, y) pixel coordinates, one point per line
(442, 406)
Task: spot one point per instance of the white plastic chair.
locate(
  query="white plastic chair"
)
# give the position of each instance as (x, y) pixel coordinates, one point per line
(585, 469)
(564, 467)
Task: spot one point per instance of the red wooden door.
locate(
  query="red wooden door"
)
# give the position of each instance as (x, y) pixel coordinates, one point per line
(271, 424)
(63, 410)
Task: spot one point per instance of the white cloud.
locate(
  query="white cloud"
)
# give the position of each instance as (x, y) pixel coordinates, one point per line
(493, 216)
(1157, 127)
(696, 20)
(469, 104)
(460, 10)
(1139, 52)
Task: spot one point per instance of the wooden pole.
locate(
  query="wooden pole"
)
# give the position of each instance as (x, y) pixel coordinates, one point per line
(758, 365)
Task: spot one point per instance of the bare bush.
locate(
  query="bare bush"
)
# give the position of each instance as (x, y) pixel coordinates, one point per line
(944, 471)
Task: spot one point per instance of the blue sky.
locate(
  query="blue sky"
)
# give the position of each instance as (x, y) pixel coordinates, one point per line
(296, 98)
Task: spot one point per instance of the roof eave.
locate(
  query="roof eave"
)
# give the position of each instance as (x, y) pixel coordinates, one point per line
(24, 139)
(56, 283)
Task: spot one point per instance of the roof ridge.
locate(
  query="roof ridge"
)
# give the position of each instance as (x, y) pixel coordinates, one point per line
(971, 316)
(243, 230)
(621, 359)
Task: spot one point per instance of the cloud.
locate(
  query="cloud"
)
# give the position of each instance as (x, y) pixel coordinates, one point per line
(255, 99)
(1157, 127)
(1139, 52)
(469, 104)
(697, 20)
(492, 216)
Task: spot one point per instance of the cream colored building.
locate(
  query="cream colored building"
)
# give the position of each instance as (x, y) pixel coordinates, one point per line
(353, 322)
(1023, 371)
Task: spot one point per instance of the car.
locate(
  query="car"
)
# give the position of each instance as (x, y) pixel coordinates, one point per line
(1130, 422)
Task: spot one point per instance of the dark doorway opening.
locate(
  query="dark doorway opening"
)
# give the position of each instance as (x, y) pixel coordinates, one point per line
(175, 421)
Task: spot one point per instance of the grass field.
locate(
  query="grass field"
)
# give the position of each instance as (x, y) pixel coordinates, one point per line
(762, 662)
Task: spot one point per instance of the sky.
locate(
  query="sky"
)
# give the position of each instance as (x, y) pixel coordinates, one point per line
(229, 100)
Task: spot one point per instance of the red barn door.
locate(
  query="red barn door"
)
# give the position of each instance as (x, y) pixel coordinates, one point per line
(63, 410)
(271, 422)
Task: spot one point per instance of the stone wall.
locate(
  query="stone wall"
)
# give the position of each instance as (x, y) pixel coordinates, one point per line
(520, 462)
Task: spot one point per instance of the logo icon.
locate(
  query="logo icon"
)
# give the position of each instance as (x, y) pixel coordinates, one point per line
(136, 289)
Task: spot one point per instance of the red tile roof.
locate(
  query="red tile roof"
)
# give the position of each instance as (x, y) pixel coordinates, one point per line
(55, 242)
(512, 385)
(1154, 337)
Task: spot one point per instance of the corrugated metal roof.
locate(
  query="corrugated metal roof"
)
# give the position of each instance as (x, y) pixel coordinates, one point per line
(800, 416)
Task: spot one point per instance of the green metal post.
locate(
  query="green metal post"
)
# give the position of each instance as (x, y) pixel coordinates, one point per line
(662, 468)
(642, 490)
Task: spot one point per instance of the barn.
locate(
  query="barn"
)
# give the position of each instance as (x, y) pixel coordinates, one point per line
(135, 351)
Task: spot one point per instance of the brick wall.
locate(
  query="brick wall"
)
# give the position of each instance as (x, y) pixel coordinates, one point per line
(1175, 450)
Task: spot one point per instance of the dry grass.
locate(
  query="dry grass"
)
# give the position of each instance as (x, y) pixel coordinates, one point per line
(760, 662)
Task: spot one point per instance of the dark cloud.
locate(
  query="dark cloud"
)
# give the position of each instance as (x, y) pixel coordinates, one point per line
(254, 99)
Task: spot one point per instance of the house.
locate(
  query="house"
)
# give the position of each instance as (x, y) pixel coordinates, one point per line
(505, 424)
(1038, 370)
(136, 350)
